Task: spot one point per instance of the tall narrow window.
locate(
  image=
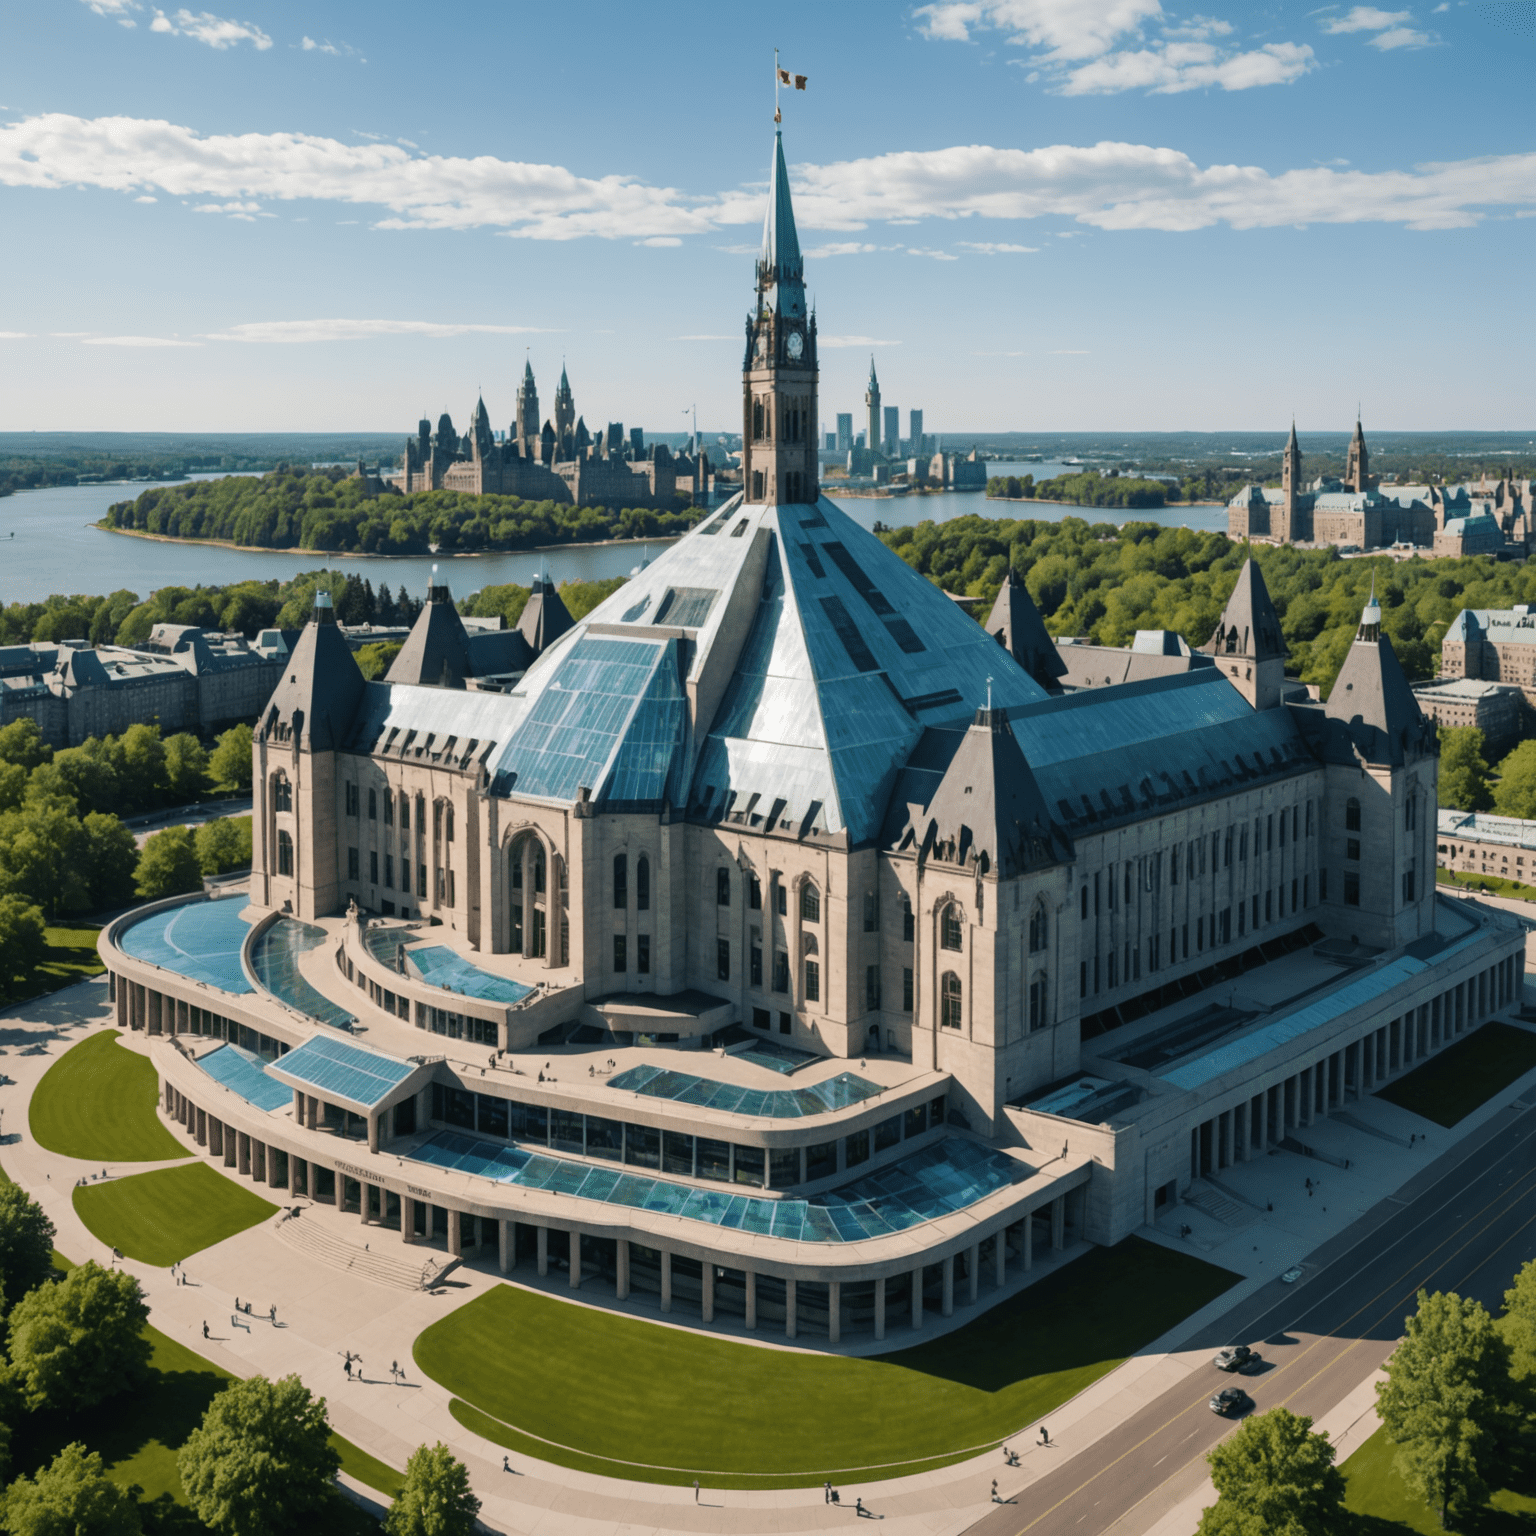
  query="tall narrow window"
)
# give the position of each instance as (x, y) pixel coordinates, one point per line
(282, 793)
(908, 925)
(1351, 815)
(813, 981)
(1038, 1015)
(620, 953)
(373, 805)
(755, 894)
(643, 953)
(810, 903)
(871, 912)
(951, 935)
(722, 887)
(389, 809)
(405, 811)
(284, 854)
(1037, 929)
(723, 959)
(951, 1013)
(620, 884)
(642, 884)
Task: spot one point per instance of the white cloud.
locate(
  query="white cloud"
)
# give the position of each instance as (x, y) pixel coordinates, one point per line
(421, 192)
(1401, 37)
(298, 331)
(660, 240)
(1094, 47)
(216, 31)
(14, 335)
(843, 248)
(118, 10)
(996, 248)
(1364, 18)
(854, 341)
(146, 199)
(236, 210)
(134, 341)
(936, 255)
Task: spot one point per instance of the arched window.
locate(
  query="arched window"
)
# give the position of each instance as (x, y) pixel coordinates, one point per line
(620, 880)
(642, 884)
(950, 1002)
(1351, 815)
(1037, 924)
(722, 887)
(538, 868)
(1039, 1015)
(284, 854)
(810, 903)
(951, 934)
(282, 793)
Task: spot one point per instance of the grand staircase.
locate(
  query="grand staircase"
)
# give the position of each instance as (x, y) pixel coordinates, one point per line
(404, 1268)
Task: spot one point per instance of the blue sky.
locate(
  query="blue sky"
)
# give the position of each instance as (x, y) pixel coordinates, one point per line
(1038, 214)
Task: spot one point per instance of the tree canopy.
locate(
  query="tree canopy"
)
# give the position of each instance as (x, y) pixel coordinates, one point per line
(1277, 1477)
(436, 1499)
(71, 1496)
(1463, 770)
(1515, 793)
(169, 865)
(26, 1245)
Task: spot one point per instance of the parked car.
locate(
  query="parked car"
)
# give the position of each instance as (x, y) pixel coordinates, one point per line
(1231, 1402)
(1235, 1357)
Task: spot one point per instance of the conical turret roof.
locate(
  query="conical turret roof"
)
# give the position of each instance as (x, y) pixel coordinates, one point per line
(545, 617)
(781, 268)
(1373, 700)
(321, 687)
(1016, 625)
(436, 652)
(1249, 625)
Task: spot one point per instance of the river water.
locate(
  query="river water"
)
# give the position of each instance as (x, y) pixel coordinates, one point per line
(48, 544)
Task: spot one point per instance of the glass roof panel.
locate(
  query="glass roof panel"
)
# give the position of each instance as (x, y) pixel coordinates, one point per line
(200, 941)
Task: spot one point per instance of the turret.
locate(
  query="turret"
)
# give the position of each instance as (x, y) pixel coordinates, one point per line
(872, 405)
(1357, 462)
(1247, 643)
(436, 652)
(1016, 625)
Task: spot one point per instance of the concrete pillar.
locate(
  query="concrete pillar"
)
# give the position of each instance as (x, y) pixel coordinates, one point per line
(295, 1163)
(973, 1271)
(880, 1307)
(917, 1297)
(708, 1300)
(1029, 1242)
(362, 1204)
(298, 1106)
(215, 1137)
(947, 1304)
(244, 1163)
(506, 1245)
(834, 1311)
(666, 1279)
(455, 1233)
(544, 1257)
(621, 1276)
(1264, 1121)
(1059, 1222)
(312, 1120)
(202, 1128)
(273, 1180)
(751, 1300)
(407, 1217)
(575, 1258)
(373, 1131)
(791, 1309)
(1243, 1115)
(1000, 1255)
(231, 1145)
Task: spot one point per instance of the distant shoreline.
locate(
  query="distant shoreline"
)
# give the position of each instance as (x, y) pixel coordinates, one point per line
(344, 554)
(1046, 501)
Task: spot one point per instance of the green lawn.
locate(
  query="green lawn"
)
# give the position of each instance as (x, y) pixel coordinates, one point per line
(612, 1391)
(1448, 1087)
(164, 1216)
(71, 957)
(1384, 1506)
(97, 1102)
(1495, 885)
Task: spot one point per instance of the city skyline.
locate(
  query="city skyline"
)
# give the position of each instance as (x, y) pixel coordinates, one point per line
(1036, 215)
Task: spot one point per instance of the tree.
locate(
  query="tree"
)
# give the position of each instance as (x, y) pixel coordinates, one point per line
(21, 742)
(79, 1340)
(168, 866)
(374, 660)
(71, 1496)
(1277, 1475)
(1518, 1325)
(436, 1499)
(110, 856)
(186, 768)
(26, 1245)
(13, 785)
(229, 764)
(40, 846)
(23, 944)
(1442, 1400)
(1463, 770)
(261, 1461)
(142, 769)
(223, 844)
(1515, 793)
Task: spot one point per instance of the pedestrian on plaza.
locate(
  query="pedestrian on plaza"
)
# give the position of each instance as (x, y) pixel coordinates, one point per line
(349, 1367)
(237, 1304)
(394, 1370)
(1045, 1435)
(695, 1492)
(205, 1330)
(506, 1466)
(858, 1506)
(995, 1498)
(826, 1493)
(837, 1498)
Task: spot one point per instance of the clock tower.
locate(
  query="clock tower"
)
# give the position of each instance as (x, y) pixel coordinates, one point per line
(779, 410)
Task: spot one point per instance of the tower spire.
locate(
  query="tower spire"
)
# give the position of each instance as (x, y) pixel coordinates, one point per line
(780, 268)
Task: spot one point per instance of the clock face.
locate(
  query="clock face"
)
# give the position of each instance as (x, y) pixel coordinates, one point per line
(795, 345)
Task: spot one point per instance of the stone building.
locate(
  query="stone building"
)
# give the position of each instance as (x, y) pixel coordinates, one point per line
(1478, 843)
(1496, 709)
(182, 679)
(1496, 645)
(780, 944)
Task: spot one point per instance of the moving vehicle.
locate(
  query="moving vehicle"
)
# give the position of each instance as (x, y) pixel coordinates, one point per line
(1231, 1402)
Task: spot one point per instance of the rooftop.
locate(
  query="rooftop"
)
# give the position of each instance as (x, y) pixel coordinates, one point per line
(1479, 826)
(343, 1071)
(200, 940)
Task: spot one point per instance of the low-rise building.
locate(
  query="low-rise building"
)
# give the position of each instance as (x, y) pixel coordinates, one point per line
(1496, 709)
(1497, 645)
(1477, 843)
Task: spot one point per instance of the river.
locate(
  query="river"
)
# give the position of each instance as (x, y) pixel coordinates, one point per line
(48, 543)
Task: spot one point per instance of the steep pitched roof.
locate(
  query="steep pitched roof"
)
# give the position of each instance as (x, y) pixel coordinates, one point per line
(1373, 704)
(322, 685)
(780, 268)
(1016, 625)
(1248, 625)
(545, 617)
(436, 652)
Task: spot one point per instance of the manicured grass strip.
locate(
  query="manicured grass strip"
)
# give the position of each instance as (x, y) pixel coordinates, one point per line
(71, 956)
(1448, 1087)
(612, 1389)
(97, 1102)
(1375, 1491)
(1495, 885)
(162, 1217)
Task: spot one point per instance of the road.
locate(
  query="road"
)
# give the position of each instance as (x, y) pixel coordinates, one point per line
(144, 827)
(1466, 1228)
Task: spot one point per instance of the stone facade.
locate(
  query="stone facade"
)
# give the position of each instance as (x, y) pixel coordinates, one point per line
(1496, 709)
(1495, 645)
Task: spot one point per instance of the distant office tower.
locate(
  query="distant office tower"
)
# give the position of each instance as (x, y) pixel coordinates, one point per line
(872, 404)
(831, 439)
(844, 431)
(892, 431)
(637, 442)
(915, 445)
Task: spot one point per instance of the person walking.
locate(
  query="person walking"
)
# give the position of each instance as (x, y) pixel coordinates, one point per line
(349, 1367)
(695, 1492)
(1045, 1435)
(272, 1314)
(995, 1498)
(506, 1466)
(205, 1330)
(826, 1493)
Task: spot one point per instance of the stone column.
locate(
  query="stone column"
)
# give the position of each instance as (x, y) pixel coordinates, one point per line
(407, 1218)
(298, 1106)
(1059, 1222)
(973, 1271)
(215, 1136)
(1000, 1255)
(752, 1301)
(363, 1191)
(917, 1297)
(621, 1277)
(272, 1178)
(791, 1309)
(708, 1300)
(1263, 1121)
(880, 1307)
(947, 1306)
(244, 1163)
(544, 1252)
(1242, 1122)
(506, 1244)
(575, 1258)
(295, 1163)
(313, 1118)
(1029, 1242)
(373, 1132)
(834, 1311)
(666, 1279)
(455, 1233)
(202, 1128)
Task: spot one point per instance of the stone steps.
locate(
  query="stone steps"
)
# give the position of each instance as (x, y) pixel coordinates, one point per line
(1217, 1206)
(311, 1238)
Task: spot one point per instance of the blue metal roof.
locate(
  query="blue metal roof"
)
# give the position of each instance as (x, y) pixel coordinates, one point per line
(778, 1103)
(245, 1073)
(200, 941)
(275, 960)
(347, 1071)
(440, 966)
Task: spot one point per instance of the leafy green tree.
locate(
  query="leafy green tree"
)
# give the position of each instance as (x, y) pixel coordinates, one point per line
(261, 1462)
(40, 851)
(142, 767)
(26, 1245)
(1515, 792)
(1443, 1401)
(22, 742)
(77, 1341)
(110, 856)
(1463, 770)
(374, 660)
(229, 764)
(223, 844)
(1277, 1475)
(169, 865)
(23, 945)
(1518, 1324)
(13, 785)
(436, 1499)
(186, 768)
(71, 1496)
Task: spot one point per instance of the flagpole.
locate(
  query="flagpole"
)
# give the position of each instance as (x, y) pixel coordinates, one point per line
(776, 116)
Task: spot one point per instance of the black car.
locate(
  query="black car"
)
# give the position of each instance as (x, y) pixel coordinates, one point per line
(1235, 1357)
(1231, 1402)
